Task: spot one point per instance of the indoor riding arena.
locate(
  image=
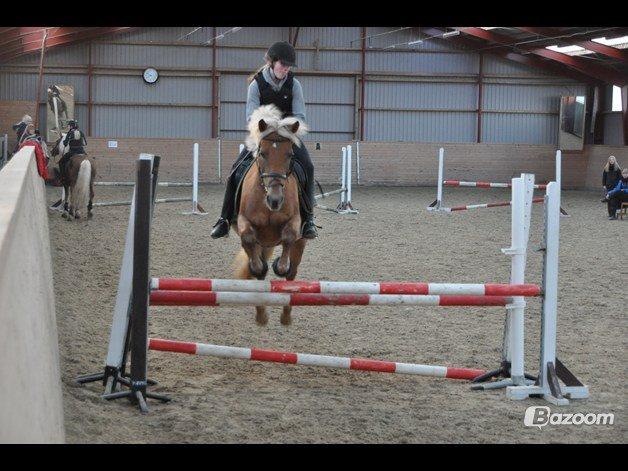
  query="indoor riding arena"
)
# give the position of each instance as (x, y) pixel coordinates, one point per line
(467, 219)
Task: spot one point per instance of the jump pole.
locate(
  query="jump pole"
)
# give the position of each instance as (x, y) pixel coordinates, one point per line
(344, 287)
(437, 204)
(307, 359)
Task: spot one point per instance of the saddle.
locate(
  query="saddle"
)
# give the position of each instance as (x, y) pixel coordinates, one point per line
(243, 168)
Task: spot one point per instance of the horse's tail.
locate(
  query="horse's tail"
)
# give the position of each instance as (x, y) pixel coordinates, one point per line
(82, 187)
(241, 262)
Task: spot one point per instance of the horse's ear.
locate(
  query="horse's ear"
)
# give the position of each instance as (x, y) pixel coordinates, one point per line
(262, 125)
(295, 127)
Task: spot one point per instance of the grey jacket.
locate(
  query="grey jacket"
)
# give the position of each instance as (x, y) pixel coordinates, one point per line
(253, 97)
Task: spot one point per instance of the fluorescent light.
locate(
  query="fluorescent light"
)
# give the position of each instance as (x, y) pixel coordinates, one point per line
(451, 33)
(566, 49)
(488, 27)
(611, 42)
(419, 41)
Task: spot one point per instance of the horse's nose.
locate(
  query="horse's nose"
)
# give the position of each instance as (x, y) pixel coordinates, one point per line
(274, 202)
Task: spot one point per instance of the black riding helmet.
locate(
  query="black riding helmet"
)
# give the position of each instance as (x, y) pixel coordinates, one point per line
(282, 51)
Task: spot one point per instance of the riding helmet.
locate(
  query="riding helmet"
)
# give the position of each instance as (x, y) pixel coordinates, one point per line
(282, 51)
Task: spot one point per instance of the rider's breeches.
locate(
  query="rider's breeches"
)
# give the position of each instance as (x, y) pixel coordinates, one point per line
(300, 154)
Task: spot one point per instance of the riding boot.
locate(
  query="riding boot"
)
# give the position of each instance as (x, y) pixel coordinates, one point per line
(309, 228)
(221, 228)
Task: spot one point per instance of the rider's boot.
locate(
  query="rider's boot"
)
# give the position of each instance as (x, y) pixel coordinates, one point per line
(220, 229)
(308, 230)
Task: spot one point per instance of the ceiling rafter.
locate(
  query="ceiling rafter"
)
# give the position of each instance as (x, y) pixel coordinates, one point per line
(527, 60)
(608, 51)
(584, 66)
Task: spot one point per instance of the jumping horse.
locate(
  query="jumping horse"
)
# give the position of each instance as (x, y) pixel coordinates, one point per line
(268, 213)
(78, 183)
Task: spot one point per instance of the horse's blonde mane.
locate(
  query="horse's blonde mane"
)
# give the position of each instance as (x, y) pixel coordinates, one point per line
(272, 117)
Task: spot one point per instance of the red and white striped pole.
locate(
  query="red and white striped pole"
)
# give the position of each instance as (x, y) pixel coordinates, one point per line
(212, 298)
(344, 287)
(485, 184)
(305, 359)
(487, 205)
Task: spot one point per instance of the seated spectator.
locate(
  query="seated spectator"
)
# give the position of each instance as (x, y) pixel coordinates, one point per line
(619, 194)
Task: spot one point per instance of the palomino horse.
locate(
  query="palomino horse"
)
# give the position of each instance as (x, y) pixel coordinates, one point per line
(269, 206)
(79, 182)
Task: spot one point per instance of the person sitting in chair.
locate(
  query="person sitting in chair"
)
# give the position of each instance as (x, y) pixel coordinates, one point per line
(275, 84)
(619, 194)
(74, 141)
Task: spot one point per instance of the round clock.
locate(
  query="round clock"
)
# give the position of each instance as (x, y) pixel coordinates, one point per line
(150, 75)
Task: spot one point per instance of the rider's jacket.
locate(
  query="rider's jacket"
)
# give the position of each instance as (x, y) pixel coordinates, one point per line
(282, 99)
(75, 140)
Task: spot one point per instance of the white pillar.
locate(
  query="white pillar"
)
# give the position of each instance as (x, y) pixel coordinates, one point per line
(441, 165)
(219, 161)
(343, 177)
(559, 167)
(348, 174)
(195, 177)
(521, 206)
(357, 160)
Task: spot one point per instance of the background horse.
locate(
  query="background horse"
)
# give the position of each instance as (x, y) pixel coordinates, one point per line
(269, 206)
(78, 184)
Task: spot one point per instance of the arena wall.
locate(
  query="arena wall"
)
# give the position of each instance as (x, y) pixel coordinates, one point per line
(381, 163)
(31, 409)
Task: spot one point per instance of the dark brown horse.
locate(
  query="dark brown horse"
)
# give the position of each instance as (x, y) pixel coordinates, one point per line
(78, 183)
(269, 206)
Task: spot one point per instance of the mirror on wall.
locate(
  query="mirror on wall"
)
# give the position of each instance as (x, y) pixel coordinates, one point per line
(571, 122)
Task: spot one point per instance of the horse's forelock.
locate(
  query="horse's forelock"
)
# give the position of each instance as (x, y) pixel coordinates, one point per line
(272, 117)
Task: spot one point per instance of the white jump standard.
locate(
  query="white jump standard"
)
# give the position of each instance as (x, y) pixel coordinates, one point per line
(136, 290)
(197, 209)
(344, 203)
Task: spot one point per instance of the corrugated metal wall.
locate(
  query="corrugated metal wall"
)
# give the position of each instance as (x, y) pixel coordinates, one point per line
(427, 92)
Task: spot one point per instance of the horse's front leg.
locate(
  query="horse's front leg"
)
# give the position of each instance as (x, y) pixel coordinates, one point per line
(289, 235)
(248, 238)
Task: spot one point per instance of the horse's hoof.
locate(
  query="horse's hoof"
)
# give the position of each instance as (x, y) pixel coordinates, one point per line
(90, 215)
(261, 318)
(276, 268)
(286, 318)
(262, 274)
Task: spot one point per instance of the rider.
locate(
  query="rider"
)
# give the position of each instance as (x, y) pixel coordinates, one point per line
(21, 129)
(74, 140)
(275, 84)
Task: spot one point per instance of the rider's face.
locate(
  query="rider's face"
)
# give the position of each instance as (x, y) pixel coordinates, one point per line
(280, 70)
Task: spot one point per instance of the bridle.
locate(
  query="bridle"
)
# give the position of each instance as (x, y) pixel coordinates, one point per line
(282, 177)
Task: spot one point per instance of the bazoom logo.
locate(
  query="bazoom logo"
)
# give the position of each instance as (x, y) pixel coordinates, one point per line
(540, 416)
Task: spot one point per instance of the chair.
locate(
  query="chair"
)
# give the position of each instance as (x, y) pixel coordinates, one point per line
(622, 210)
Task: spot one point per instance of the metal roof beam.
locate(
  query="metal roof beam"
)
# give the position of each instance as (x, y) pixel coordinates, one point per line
(608, 51)
(584, 66)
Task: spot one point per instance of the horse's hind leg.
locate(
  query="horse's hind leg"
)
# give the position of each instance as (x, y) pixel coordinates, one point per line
(296, 254)
(90, 214)
(66, 205)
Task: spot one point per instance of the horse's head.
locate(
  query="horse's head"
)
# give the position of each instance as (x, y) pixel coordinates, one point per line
(271, 139)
